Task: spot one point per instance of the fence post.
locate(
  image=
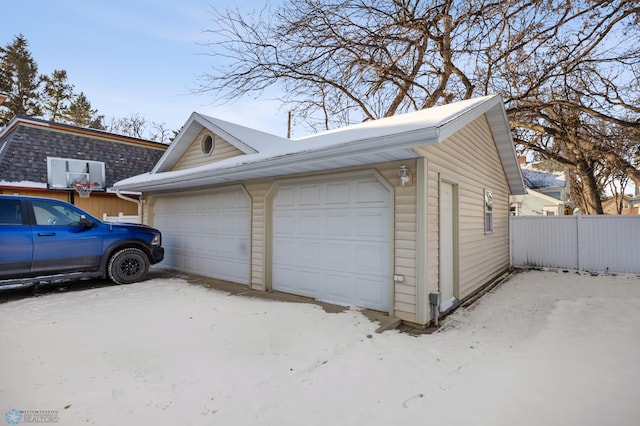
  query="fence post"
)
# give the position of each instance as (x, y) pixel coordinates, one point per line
(510, 241)
(579, 237)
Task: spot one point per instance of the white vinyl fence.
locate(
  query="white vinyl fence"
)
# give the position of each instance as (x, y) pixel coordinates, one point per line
(121, 218)
(587, 243)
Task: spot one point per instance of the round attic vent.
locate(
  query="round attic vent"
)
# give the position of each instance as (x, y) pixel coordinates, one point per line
(207, 144)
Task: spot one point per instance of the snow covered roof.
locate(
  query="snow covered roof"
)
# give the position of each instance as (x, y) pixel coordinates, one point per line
(377, 141)
(536, 179)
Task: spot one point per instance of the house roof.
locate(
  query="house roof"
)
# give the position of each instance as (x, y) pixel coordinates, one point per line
(536, 179)
(25, 144)
(377, 141)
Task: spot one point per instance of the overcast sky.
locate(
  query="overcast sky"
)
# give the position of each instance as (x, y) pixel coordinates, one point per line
(134, 56)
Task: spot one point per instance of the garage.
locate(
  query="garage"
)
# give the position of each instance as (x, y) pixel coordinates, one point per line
(206, 232)
(332, 241)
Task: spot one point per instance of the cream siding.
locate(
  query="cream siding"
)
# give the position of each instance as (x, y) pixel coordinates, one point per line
(194, 157)
(470, 160)
(405, 243)
(258, 191)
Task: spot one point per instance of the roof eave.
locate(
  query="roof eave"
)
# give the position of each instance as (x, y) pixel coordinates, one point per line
(359, 153)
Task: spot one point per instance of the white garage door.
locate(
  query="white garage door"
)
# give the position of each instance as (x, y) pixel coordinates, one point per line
(206, 233)
(331, 241)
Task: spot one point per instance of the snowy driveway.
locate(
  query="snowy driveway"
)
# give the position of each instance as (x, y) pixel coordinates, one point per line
(546, 348)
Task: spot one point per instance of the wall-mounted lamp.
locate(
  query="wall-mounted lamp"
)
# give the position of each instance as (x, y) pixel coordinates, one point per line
(405, 177)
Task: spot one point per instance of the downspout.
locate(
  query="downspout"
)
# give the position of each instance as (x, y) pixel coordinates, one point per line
(132, 200)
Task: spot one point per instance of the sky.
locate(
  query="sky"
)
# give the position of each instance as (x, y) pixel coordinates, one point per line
(135, 56)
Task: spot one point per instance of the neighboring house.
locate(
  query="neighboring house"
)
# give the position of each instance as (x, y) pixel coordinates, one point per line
(44, 158)
(377, 215)
(630, 205)
(547, 193)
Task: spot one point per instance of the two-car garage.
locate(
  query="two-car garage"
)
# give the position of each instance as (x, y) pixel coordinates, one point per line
(330, 239)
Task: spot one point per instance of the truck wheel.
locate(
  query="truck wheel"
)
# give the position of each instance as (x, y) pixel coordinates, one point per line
(127, 266)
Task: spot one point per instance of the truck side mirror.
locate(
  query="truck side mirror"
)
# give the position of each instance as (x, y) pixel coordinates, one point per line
(86, 222)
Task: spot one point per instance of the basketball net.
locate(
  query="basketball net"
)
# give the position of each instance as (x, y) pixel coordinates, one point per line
(84, 189)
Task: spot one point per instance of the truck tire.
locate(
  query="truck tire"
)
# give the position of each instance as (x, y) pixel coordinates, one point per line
(127, 266)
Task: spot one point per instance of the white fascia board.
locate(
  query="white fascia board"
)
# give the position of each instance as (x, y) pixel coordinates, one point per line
(493, 109)
(177, 148)
(239, 168)
(192, 127)
(233, 140)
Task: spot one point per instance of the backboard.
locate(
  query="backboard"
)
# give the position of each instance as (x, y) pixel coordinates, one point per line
(62, 173)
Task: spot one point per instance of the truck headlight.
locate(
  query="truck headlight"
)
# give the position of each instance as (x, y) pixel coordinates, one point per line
(156, 240)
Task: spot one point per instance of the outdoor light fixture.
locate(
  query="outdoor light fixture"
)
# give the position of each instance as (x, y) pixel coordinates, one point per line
(403, 172)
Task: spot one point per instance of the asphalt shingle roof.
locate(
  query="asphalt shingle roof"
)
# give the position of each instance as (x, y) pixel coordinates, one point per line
(24, 149)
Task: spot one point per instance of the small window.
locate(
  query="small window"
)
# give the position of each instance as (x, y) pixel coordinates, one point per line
(207, 144)
(488, 212)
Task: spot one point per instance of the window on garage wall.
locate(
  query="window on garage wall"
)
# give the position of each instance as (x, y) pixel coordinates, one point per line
(488, 211)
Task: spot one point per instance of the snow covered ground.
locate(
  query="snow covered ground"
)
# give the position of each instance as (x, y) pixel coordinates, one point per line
(544, 348)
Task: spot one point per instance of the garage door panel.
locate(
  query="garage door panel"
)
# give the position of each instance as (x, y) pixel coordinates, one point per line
(373, 256)
(299, 254)
(283, 225)
(312, 280)
(372, 223)
(337, 256)
(339, 287)
(338, 223)
(370, 192)
(297, 281)
(286, 197)
(308, 224)
(340, 249)
(207, 233)
(309, 195)
(370, 291)
(338, 193)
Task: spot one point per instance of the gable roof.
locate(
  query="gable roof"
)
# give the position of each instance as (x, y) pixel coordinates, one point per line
(376, 141)
(247, 140)
(25, 144)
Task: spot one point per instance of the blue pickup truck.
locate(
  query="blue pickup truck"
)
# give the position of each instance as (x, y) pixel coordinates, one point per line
(43, 240)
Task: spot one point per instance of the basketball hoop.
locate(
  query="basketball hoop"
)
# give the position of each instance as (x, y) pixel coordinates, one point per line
(84, 189)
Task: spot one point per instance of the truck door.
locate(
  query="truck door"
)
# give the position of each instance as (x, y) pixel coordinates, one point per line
(60, 242)
(16, 240)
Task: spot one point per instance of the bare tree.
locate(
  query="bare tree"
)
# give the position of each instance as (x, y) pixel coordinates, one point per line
(569, 83)
(344, 61)
(571, 89)
(137, 126)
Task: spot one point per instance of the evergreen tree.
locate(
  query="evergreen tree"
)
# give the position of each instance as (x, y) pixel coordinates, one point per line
(19, 80)
(57, 94)
(81, 114)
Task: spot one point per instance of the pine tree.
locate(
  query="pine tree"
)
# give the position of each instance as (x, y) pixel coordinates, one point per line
(19, 80)
(57, 94)
(81, 114)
